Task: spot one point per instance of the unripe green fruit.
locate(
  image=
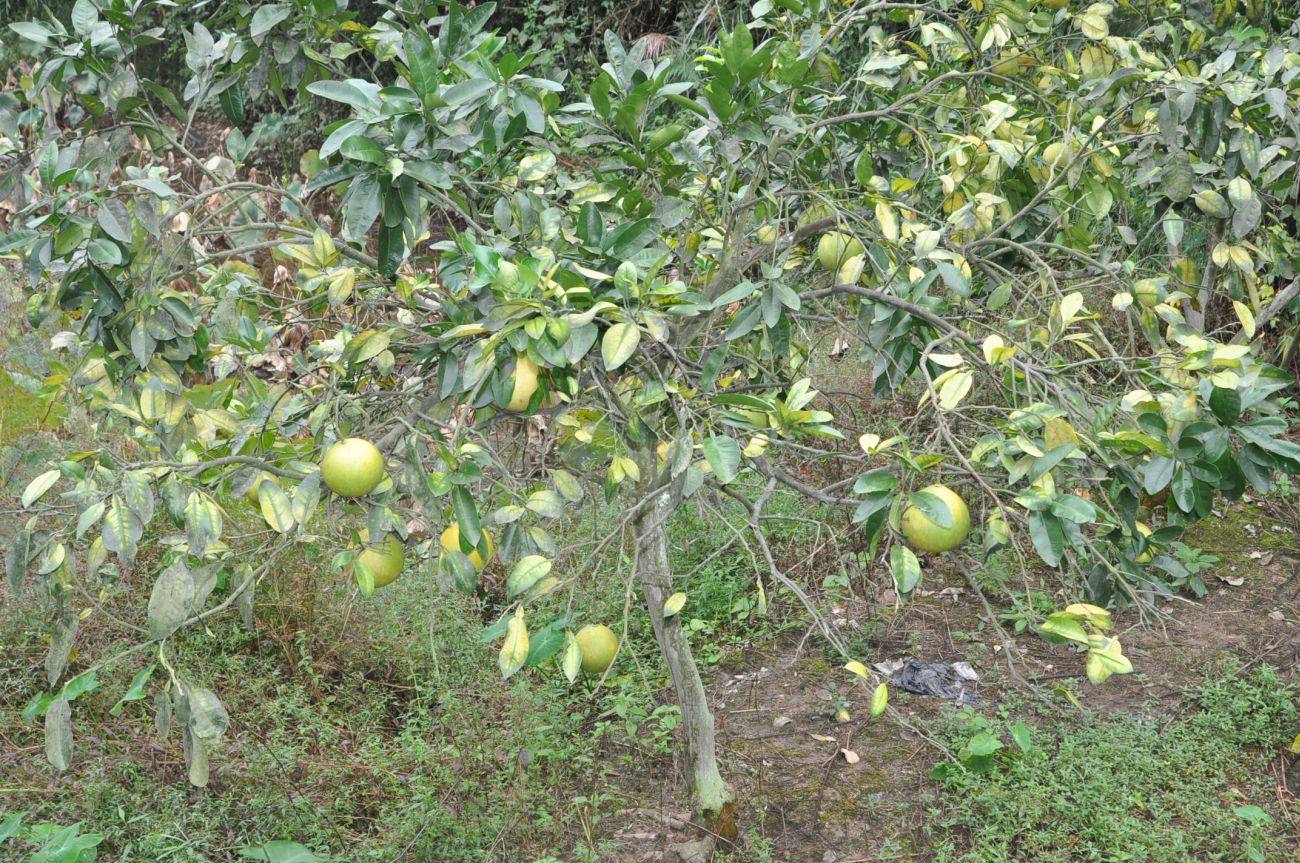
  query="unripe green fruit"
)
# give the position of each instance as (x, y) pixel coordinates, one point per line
(925, 535)
(599, 644)
(836, 247)
(352, 467)
(384, 562)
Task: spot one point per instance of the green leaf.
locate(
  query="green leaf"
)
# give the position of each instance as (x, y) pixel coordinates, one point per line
(1020, 734)
(619, 344)
(279, 851)
(359, 148)
(466, 91)
(422, 62)
(906, 570)
(1226, 405)
(16, 559)
(1049, 460)
(362, 207)
(880, 699)
(171, 601)
(104, 252)
(266, 17)
(114, 218)
(58, 734)
(466, 513)
(38, 487)
(877, 480)
(723, 455)
(544, 645)
(934, 507)
(136, 691)
(208, 717)
(1048, 537)
(1075, 509)
(61, 641)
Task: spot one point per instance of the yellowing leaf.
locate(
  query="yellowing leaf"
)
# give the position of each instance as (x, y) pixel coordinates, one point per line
(954, 390)
(674, 604)
(1098, 617)
(851, 270)
(1241, 259)
(571, 662)
(619, 344)
(38, 487)
(858, 668)
(888, 220)
(869, 442)
(1058, 432)
(990, 347)
(1247, 318)
(515, 649)
(276, 508)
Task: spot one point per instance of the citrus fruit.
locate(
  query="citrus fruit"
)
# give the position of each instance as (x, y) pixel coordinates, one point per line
(926, 535)
(768, 234)
(254, 490)
(1150, 554)
(450, 540)
(352, 467)
(384, 562)
(599, 644)
(836, 247)
(1055, 5)
(525, 378)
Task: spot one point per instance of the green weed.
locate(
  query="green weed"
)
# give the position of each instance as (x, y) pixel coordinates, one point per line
(1118, 788)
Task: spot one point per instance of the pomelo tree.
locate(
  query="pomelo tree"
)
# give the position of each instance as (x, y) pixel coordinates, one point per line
(1058, 250)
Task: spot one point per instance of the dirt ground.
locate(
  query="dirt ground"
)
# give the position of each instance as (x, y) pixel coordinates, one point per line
(787, 757)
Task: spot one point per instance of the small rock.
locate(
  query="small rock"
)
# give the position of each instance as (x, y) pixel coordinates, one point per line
(781, 721)
(1276, 615)
(699, 851)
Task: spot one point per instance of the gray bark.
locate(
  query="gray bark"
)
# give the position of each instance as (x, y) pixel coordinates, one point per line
(712, 797)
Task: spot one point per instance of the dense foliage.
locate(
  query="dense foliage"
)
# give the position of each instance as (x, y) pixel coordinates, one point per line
(1063, 229)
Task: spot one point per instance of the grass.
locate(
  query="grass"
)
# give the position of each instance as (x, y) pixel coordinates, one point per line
(1120, 788)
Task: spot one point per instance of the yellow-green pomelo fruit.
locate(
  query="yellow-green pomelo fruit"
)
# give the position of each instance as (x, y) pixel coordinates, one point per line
(836, 247)
(925, 535)
(352, 467)
(1150, 554)
(599, 644)
(384, 562)
(525, 378)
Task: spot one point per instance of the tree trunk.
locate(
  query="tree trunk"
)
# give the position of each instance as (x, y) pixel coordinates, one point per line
(712, 798)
